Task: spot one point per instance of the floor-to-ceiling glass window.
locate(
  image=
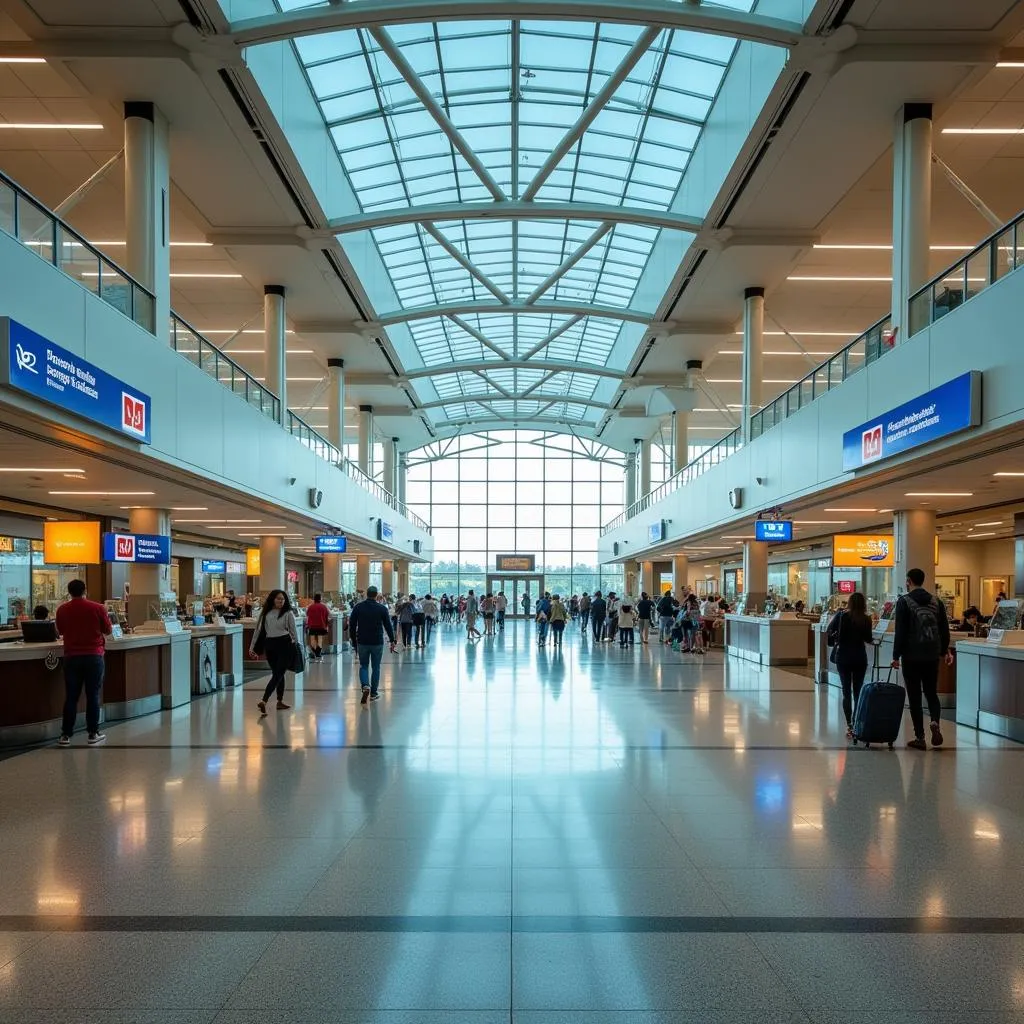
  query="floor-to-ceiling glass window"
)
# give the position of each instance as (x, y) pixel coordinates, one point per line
(523, 492)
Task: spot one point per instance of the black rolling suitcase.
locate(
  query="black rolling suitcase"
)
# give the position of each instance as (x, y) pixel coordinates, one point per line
(878, 716)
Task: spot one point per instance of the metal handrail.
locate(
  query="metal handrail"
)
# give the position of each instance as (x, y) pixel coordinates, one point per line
(383, 495)
(993, 259)
(299, 428)
(188, 342)
(39, 229)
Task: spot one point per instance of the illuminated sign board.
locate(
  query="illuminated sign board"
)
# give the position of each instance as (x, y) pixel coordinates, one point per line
(385, 532)
(52, 374)
(252, 562)
(214, 565)
(861, 549)
(773, 531)
(846, 586)
(144, 548)
(71, 543)
(656, 532)
(6, 545)
(331, 545)
(516, 563)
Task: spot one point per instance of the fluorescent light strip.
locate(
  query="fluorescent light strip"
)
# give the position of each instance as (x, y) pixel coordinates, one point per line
(260, 352)
(34, 125)
(806, 334)
(1008, 474)
(190, 508)
(36, 469)
(789, 352)
(735, 380)
(983, 131)
(863, 247)
(977, 525)
(22, 60)
(851, 279)
(107, 494)
(939, 494)
(219, 277)
(820, 522)
(851, 510)
(975, 536)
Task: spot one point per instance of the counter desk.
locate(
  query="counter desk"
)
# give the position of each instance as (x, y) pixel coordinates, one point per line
(140, 670)
(947, 688)
(229, 643)
(767, 641)
(990, 688)
(10, 636)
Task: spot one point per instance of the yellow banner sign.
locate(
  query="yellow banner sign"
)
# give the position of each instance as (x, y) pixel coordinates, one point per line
(6, 545)
(863, 550)
(252, 562)
(71, 543)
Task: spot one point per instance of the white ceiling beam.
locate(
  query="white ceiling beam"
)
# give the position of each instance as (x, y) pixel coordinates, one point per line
(553, 399)
(524, 423)
(436, 111)
(474, 333)
(540, 383)
(463, 261)
(504, 392)
(660, 13)
(513, 364)
(593, 108)
(483, 307)
(515, 210)
(556, 333)
(568, 263)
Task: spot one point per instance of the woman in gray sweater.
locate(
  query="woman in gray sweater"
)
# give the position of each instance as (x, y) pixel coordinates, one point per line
(275, 638)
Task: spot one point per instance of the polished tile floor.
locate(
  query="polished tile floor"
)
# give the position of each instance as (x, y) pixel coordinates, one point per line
(514, 834)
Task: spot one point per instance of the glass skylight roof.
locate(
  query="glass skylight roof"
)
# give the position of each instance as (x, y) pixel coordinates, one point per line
(502, 97)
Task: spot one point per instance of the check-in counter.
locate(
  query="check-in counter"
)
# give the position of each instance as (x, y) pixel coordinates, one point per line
(140, 670)
(947, 688)
(990, 688)
(10, 636)
(229, 638)
(767, 641)
(337, 627)
(823, 668)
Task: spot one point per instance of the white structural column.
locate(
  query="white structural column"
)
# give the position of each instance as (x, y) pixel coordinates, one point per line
(911, 210)
(366, 439)
(403, 475)
(680, 573)
(148, 582)
(274, 352)
(755, 574)
(387, 577)
(271, 564)
(915, 546)
(362, 572)
(644, 455)
(390, 465)
(336, 403)
(332, 574)
(147, 207)
(646, 577)
(403, 576)
(753, 356)
(631, 494)
(681, 440)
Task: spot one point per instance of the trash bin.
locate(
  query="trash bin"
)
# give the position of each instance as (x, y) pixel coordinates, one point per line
(204, 664)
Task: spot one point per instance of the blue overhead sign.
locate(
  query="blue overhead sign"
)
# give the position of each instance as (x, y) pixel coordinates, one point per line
(773, 531)
(331, 545)
(950, 408)
(656, 532)
(215, 565)
(145, 548)
(46, 371)
(384, 532)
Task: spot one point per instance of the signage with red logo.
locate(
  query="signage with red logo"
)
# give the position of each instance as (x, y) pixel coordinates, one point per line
(133, 414)
(153, 549)
(124, 548)
(846, 587)
(871, 444)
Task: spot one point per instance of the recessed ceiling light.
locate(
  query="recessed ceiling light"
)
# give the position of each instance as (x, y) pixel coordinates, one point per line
(1010, 64)
(108, 494)
(189, 508)
(852, 510)
(939, 494)
(776, 352)
(1008, 474)
(983, 131)
(94, 273)
(22, 60)
(37, 469)
(836, 278)
(820, 522)
(228, 330)
(33, 125)
(1000, 523)
(888, 248)
(975, 536)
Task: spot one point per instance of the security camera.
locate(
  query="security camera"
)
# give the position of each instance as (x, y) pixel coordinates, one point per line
(291, 481)
(759, 480)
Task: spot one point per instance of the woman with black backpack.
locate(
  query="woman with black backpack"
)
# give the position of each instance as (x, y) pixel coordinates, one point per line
(848, 634)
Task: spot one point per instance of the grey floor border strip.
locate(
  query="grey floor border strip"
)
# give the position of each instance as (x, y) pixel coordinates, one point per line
(519, 925)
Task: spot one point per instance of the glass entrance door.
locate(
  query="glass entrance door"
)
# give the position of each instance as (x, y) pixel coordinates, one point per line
(515, 587)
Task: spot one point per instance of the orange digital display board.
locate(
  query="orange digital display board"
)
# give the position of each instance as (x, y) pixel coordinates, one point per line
(71, 543)
(252, 562)
(851, 551)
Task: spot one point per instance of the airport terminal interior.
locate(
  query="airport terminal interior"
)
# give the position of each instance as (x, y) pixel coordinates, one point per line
(511, 512)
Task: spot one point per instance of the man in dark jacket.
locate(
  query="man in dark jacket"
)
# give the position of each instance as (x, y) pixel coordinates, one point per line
(666, 616)
(598, 610)
(921, 639)
(367, 624)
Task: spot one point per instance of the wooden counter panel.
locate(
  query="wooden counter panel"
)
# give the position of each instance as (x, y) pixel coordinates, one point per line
(1002, 687)
(132, 674)
(30, 693)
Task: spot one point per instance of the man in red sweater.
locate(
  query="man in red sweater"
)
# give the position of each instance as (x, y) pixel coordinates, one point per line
(83, 624)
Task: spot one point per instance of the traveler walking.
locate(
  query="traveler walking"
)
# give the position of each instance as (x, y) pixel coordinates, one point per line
(613, 617)
(921, 639)
(645, 610)
(598, 610)
(848, 634)
(557, 617)
(419, 621)
(584, 612)
(488, 608)
(83, 624)
(525, 602)
(666, 617)
(275, 638)
(472, 609)
(574, 607)
(500, 607)
(318, 620)
(627, 622)
(404, 610)
(429, 618)
(367, 625)
(543, 619)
